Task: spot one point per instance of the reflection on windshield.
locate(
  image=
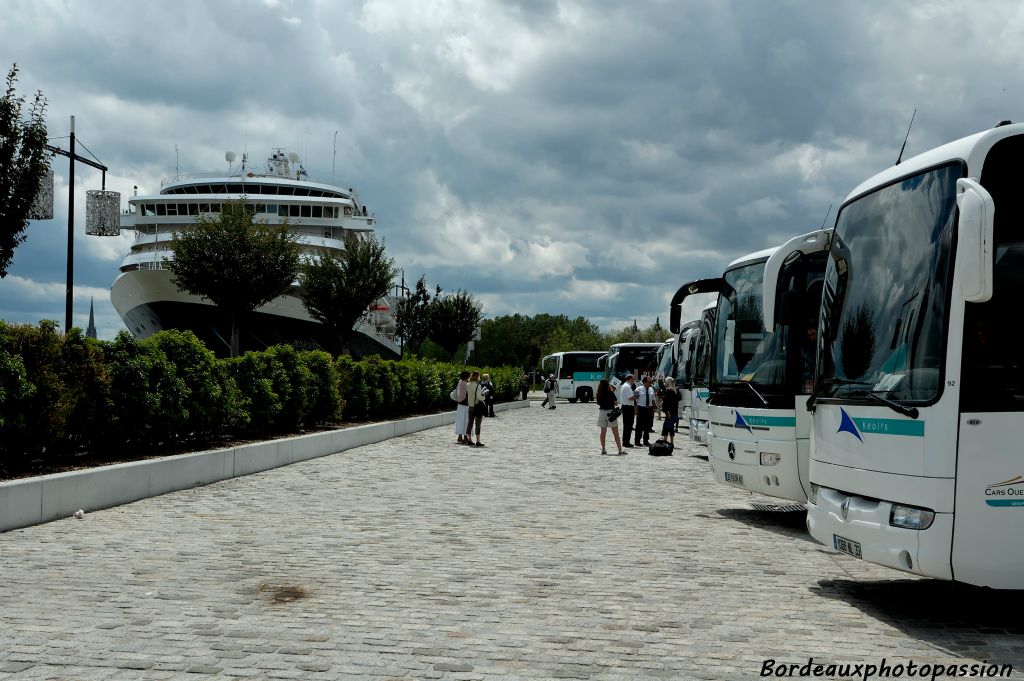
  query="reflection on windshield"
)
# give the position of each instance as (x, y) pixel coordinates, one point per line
(886, 285)
(742, 349)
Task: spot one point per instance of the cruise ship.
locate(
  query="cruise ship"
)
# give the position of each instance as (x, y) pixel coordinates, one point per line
(321, 215)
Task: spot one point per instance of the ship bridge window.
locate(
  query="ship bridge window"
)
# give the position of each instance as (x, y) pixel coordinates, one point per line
(301, 191)
(270, 209)
(193, 209)
(282, 211)
(161, 209)
(318, 211)
(306, 211)
(235, 189)
(204, 208)
(148, 210)
(172, 209)
(293, 211)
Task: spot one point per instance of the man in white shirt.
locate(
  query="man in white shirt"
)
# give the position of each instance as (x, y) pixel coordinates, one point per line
(644, 396)
(627, 401)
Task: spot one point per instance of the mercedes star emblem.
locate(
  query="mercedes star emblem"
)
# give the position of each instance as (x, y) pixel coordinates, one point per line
(845, 508)
(732, 450)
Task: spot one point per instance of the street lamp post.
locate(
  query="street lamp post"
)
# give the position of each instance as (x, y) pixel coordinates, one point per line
(98, 224)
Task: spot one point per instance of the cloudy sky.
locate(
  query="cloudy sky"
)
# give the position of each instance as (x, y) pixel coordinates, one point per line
(571, 157)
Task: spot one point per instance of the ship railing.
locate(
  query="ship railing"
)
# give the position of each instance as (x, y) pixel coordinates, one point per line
(248, 174)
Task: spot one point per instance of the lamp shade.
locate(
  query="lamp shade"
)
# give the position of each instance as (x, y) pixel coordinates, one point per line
(102, 213)
(42, 205)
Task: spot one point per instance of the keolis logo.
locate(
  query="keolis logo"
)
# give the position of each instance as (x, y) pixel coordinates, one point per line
(846, 425)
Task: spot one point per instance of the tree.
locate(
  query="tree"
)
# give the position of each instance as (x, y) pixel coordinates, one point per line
(412, 316)
(235, 262)
(23, 163)
(453, 319)
(337, 290)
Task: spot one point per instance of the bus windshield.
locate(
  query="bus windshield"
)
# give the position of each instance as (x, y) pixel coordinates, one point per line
(884, 304)
(742, 349)
(665, 364)
(636, 360)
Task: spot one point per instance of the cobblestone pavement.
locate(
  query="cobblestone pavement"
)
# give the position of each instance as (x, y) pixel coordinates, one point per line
(533, 557)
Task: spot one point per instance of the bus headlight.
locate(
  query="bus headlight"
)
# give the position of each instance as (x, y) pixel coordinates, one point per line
(911, 517)
(770, 458)
(814, 494)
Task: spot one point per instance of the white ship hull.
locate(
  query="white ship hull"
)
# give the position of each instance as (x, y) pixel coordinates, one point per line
(149, 302)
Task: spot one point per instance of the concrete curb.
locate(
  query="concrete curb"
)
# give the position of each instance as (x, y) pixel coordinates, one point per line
(32, 501)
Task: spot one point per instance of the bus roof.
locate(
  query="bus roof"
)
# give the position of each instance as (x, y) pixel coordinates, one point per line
(576, 352)
(751, 258)
(971, 149)
(637, 345)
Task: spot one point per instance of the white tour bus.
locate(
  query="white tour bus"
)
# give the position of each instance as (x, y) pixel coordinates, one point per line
(700, 430)
(666, 359)
(686, 343)
(763, 362)
(694, 370)
(578, 373)
(639, 359)
(916, 456)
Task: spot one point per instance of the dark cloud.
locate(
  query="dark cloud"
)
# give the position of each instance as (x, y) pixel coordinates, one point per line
(563, 157)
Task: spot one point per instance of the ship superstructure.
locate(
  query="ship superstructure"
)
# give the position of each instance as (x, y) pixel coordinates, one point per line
(321, 215)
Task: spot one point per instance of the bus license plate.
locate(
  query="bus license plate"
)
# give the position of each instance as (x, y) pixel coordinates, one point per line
(734, 477)
(847, 546)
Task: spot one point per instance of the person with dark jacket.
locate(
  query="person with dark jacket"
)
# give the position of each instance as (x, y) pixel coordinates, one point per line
(670, 403)
(606, 401)
(488, 387)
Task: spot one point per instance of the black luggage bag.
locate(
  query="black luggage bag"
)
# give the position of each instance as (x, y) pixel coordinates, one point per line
(660, 448)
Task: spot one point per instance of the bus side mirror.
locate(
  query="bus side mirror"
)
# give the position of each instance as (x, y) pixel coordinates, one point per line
(975, 235)
(675, 314)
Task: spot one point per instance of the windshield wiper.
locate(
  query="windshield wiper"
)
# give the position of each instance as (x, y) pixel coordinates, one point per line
(912, 412)
(754, 390)
(828, 383)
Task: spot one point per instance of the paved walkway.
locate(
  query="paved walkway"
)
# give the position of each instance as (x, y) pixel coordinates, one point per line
(533, 557)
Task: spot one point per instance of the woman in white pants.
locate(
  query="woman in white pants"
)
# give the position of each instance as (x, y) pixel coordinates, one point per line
(462, 411)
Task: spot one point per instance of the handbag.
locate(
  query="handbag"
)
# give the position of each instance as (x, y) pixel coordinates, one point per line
(480, 407)
(614, 413)
(454, 394)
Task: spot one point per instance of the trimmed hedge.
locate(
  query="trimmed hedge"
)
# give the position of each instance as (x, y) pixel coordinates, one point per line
(63, 396)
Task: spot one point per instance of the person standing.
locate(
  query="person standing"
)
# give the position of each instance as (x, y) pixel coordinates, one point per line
(627, 399)
(644, 411)
(659, 390)
(670, 403)
(462, 411)
(487, 389)
(477, 408)
(606, 401)
(524, 385)
(551, 388)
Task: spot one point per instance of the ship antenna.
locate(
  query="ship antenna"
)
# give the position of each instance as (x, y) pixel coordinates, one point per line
(826, 218)
(900, 157)
(176, 172)
(335, 156)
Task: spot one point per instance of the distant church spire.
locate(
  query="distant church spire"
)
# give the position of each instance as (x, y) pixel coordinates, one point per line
(91, 331)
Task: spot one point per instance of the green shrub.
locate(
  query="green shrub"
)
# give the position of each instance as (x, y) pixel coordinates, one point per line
(209, 409)
(41, 425)
(324, 399)
(63, 395)
(147, 397)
